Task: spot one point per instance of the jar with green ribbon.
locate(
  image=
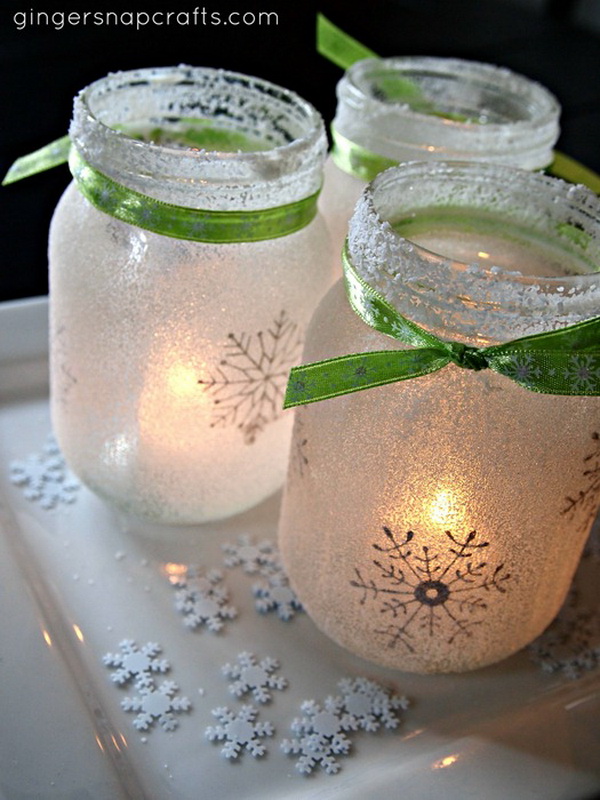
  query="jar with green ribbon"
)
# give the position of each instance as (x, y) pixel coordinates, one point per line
(186, 259)
(445, 462)
(418, 108)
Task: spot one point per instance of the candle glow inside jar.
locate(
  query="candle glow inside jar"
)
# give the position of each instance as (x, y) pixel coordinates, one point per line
(169, 351)
(434, 524)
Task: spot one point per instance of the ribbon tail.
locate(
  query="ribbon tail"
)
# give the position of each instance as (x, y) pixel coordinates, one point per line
(337, 46)
(569, 169)
(47, 157)
(321, 380)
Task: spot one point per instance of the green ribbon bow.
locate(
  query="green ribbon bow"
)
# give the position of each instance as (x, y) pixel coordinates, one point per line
(562, 362)
(341, 49)
(180, 222)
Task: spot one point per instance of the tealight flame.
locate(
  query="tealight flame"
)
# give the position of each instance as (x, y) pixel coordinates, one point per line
(447, 509)
(182, 380)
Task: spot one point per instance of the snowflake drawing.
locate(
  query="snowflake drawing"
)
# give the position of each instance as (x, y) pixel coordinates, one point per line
(152, 703)
(274, 594)
(136, 664)
(320, 735)
(248, 385)
(156, 704)
(44, 477)
(203, 599)
(592, 545)
(252, 676)
(421, 590)
(239, 731)
(248, 555)
(371, 705)
(571, 644)
(298, 457)
(586, 500)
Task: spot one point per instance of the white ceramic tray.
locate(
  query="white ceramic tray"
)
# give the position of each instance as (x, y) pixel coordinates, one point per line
(75, 582)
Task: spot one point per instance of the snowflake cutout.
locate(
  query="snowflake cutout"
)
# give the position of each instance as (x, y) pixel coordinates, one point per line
(44, 477)
(251, 557)
(136, 664)
(583, 373)
(571, 644)
(248, 385)
(320, 735)
(202, 599)
(424, 591)
(274, 593)
(239, 731)
(251, 675)
(371, 705)
(156, 704)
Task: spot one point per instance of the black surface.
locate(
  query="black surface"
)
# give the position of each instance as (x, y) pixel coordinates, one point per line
(43, 67)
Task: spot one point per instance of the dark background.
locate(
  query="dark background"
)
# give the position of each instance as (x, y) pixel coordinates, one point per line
(42, 68)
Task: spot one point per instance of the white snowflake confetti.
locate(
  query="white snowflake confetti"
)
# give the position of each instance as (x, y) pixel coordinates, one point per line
(156, 703)
(571, 644)
(239, 731)
(137, 664)
(275, 594)
(44, 477)
(152, 703)
(320, 735)
(202, 599)
(370, 704)
(257, 677)
(248, 555)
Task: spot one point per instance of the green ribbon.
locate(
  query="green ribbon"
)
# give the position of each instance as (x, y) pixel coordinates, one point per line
(562, 362)
(167, 219)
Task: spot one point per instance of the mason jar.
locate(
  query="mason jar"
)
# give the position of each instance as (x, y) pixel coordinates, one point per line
(419, 108)
(186, 258)
(434, 524)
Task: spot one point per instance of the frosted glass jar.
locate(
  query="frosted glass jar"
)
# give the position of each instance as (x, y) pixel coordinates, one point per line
(434, 524)
(169, 356)
(419, 108)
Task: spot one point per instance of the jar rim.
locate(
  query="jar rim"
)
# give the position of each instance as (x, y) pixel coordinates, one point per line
(423, 278)
(294, 138)
(522, 130)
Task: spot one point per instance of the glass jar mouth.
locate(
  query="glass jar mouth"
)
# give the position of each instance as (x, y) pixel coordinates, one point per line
(447, 108)
(543, 214)
(199, 127)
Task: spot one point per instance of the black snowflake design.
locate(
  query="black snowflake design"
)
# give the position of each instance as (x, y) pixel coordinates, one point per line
(249, 383)
(587, 498)
(421, 590)
(298, 457)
